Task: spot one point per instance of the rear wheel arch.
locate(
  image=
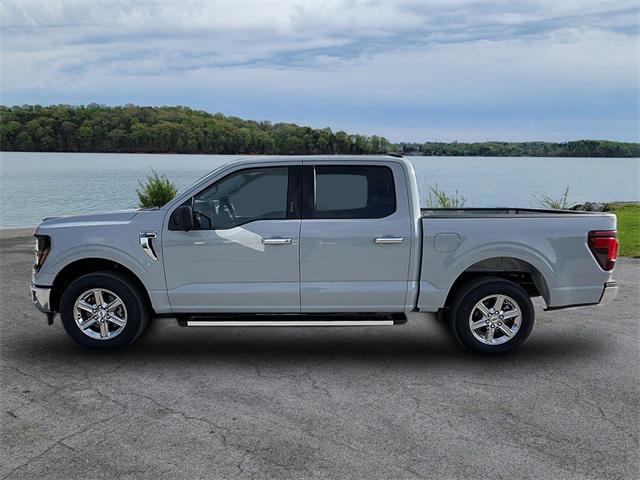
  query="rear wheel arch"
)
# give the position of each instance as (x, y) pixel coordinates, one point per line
(78, 268)
(514, 269)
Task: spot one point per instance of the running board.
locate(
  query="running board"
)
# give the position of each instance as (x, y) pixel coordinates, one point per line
(291, 321)
(288, 323)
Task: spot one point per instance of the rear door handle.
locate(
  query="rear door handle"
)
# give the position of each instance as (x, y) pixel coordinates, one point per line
(276, 241)
(388, 240)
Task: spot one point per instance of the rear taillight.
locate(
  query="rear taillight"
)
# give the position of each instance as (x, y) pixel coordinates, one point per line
(604, 246)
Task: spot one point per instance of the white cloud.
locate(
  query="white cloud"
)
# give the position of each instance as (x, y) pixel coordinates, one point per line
(328, 62)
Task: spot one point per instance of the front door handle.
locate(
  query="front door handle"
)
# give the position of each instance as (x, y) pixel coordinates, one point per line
(388, 240)
(276, 241)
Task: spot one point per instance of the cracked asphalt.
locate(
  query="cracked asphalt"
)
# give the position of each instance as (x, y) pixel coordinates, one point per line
(386, 402)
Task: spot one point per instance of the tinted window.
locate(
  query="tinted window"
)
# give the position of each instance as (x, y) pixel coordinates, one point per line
(244, 196)
(354, 192)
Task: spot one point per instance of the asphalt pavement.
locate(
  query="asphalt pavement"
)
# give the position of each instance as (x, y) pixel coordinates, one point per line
(362, 403)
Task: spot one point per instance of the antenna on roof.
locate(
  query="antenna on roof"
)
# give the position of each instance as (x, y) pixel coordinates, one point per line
(394, 154)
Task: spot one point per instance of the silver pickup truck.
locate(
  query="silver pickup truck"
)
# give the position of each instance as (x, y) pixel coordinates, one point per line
(318, 241)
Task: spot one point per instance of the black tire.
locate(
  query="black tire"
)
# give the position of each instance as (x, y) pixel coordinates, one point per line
(470, 295)
(133, 299)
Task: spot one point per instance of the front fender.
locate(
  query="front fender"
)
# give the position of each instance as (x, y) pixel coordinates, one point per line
(150, 273)
(56, 263)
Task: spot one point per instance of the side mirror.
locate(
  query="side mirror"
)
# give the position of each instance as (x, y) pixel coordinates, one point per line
(181, 219)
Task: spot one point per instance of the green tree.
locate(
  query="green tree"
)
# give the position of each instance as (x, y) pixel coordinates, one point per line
(131, 128)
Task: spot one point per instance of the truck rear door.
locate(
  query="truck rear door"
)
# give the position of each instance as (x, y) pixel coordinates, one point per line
(355, 237)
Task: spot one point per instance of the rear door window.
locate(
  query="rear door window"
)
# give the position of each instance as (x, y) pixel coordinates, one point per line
(352, 191)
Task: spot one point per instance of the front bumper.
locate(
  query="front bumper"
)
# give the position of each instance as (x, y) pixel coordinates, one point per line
(609, 293)
(40, 297)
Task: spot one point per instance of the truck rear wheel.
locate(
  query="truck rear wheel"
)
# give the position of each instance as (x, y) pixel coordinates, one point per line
(492, 315)
(103, 310)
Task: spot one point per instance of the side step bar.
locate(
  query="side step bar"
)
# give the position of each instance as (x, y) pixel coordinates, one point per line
(287, 323)
(291, 320)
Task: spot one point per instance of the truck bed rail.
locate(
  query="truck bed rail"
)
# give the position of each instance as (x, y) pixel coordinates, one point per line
(500, 212)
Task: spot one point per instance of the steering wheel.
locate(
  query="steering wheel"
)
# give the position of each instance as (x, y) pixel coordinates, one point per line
(225, 201)
(227, 209)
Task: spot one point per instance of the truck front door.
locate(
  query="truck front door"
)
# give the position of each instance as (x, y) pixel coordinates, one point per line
(243, 255)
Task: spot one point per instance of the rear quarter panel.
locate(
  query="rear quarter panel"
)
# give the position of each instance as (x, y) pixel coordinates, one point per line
(555, 245)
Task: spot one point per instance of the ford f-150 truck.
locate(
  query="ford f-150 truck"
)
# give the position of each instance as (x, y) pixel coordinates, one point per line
(318, 241)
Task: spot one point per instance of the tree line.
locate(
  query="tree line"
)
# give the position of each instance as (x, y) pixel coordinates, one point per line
(135, 129)
(578, 148)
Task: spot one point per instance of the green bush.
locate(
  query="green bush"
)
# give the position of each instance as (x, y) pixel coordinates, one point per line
(156, 192)
(439, 199)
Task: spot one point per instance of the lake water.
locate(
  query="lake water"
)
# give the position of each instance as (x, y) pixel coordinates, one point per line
(36, 185)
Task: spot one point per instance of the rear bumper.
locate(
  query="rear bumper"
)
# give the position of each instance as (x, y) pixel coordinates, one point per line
(609, 293)
(40, 297)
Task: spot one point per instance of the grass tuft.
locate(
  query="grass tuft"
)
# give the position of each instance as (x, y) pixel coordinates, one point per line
(560, 203)
(628, 228)
(440, 199)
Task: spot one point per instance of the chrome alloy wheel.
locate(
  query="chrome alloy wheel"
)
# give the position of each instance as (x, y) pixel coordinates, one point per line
(100, 314)
(495, 319)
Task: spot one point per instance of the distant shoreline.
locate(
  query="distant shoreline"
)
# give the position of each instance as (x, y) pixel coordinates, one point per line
(132, 129)
(406, 155)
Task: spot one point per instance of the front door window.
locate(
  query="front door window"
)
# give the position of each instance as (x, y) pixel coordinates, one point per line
(243, 197)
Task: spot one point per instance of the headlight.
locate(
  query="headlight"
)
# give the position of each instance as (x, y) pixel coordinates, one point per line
(43, 245)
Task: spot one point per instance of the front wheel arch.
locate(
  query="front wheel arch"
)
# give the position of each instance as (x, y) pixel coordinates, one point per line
(85, 266)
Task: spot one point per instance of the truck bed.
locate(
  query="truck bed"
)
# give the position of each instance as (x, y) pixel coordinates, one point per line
(550, 246)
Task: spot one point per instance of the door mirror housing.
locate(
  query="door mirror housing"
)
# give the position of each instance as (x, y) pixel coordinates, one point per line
(182, 218)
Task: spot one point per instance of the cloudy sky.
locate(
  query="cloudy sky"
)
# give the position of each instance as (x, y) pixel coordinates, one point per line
(407, 69)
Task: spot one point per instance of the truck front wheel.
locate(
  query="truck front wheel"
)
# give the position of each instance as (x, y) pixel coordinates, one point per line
(492, 315)
(103, 310)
